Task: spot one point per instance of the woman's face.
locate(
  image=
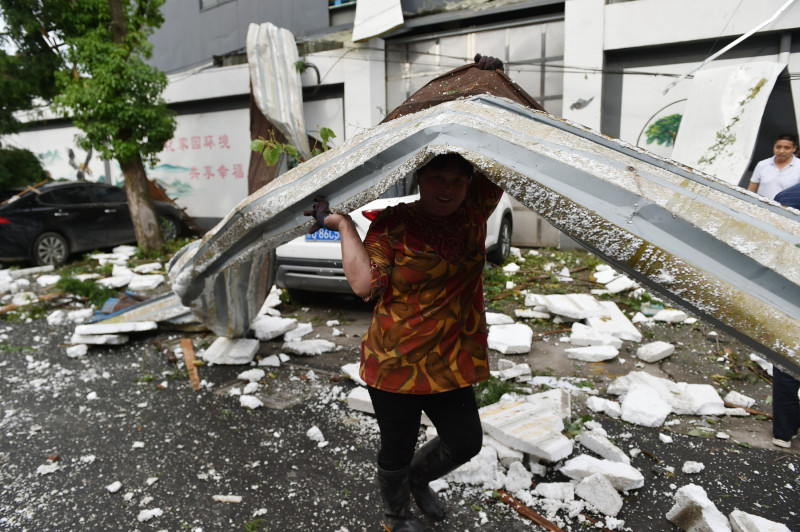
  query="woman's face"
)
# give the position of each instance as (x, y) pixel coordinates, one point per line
(442, 190)
(783, 150)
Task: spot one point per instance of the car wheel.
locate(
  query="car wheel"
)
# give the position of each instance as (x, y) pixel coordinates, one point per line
(50, 249)
(169, 228)
(500, 253)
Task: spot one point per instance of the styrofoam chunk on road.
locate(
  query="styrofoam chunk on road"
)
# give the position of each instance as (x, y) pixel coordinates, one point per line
(116, 328)
(560, 491)
(521, 370)
(534, 300)
(268, 327)
(621, 284)
(511, 267)
(505, 454)
(296, 333)
(57, 317)
(309, 347)
(690, 467)
(150, 267)
(80, 315)
(736, 412)
(583, 335)
(694, 511)
(601, 445)
(614, 323)
(271, 361)
(685, 399)
(232, 351)
(739, 399)
(524, 427)
(358, 399)
(250, 401)
(351, 371)
(655, 351)
(47, 280)
(622, 476)
(251, 375)
(518, 478)
(480, 471)
(597, 490)
(606, 406)
(24, 272)
(605, 276)
(99, 339)
(503, 364)
(115, 281)
(557, 399)
(76, 351)
(145, 282)
(515, 338)
(642, 406)
(535, 467)
(531, 314)
(592, 353)
(745, 522)
(575, 306)
(21, 299)
(670, 316)
(497, 318)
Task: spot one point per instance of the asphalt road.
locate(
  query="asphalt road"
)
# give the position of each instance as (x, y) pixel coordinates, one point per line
(72, 427)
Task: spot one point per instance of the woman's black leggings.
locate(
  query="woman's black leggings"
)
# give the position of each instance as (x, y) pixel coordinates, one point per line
(453, 413)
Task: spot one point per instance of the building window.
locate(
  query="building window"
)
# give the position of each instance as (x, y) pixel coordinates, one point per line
(332, 4)
(205, 5)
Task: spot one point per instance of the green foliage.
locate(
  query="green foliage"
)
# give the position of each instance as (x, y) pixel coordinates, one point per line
(490, 391)
(664, 130)
(19, 168)
(97, 294)
(272, 150)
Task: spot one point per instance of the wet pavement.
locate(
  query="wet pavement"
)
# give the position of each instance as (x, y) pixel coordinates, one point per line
(198, 460)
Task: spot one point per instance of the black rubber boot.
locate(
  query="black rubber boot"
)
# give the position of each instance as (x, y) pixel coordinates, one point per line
(396, 498)
(430, 462)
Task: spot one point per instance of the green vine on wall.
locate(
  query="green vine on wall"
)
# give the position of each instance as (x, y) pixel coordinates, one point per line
(725, 136)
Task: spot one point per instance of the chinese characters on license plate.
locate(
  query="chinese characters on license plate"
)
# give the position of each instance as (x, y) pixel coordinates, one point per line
(324, 235)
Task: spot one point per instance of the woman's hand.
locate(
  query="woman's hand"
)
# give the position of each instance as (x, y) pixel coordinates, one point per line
(319, 211)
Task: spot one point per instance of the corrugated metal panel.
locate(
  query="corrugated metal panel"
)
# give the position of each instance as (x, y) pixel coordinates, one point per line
(693, 238)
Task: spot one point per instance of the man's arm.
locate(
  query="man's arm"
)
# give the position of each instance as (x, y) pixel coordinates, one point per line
(752, 187)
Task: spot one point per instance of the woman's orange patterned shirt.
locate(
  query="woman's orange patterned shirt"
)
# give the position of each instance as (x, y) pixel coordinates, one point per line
(428, 331)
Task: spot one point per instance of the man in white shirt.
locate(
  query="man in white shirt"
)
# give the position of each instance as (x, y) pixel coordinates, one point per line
(779, 172)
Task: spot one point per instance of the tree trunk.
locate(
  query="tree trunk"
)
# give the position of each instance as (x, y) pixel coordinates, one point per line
(144, 217)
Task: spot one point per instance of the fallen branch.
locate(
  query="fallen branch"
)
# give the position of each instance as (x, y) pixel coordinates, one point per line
(595, 522)
(188, 357)
(46, 297)
(749, 410)
(551, 333)
(760, 374)
(527, 512)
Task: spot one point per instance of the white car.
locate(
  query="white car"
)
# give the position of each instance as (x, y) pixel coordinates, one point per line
(313, 263)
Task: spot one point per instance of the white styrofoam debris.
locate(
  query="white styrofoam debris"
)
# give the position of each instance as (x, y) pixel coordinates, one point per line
(739, 399)
(497, 318)
(57, 317)
(268, 327)
(737, 412)
(560, 491)
(643, 407)
(518, 478)
(230, 499)
(511, 339)
(481, 470)
(505, 454)
(665, 438)
(359, 399)
(592, 353)
(352, 372)
(309, 347)
(230, 351)
(145, 282)
(605, 276)
(80, 315)
(314, 434)
(641, 318)
(251, 388)
(621, 284)
(690, 467)
(535, 467)
(117, 281)
(524, 426)
(296, 333)
(76, 351)
(150, 267)
(614, 323)
(116, 328)
(694, 511)
(272, 361)
(146, 515)
(583, 335)
(683, 398)
(531, 314)
(622, 476)
(655, 351)
(598, 491)
(744, 522)
(514, 371)
(250, 401)
(21, 299)
(511, 267)
(46, 281)
(114, 486)
(99, 339)
(557, 400)
(670, 316)
(605, 406)
(601, 445)
(575, 306)
(251, 375)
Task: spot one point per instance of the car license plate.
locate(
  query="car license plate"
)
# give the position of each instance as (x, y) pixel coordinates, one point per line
(324, 235)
